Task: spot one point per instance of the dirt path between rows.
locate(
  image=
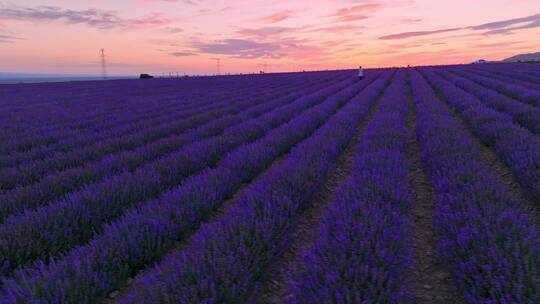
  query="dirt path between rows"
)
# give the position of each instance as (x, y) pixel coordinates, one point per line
(428, 279)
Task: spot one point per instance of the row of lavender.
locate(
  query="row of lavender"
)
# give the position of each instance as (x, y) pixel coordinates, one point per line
(90, 145)
(69, 137)
(54, 106)
(514, 87)
(144, 232)
(59, 184)
(73, 219)
(491, 246)
(132, 153)
(527, 116)
(75, 147)
(517, 74)
(90, 111)
(518, 147)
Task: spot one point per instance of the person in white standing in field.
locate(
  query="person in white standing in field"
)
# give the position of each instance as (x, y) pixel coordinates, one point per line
(360, 73)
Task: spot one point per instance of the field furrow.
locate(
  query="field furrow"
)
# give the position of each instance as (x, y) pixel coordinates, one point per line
(427, 277)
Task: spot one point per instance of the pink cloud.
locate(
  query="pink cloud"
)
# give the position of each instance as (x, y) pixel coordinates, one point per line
(276, 17)
(418, 33)
(338, 28)
(332, 43)
(192, 2)
(498, 27)
(410, 20)
(267, 31)
(357, 12)
(9, 38)
(239, 48)
(102, 19)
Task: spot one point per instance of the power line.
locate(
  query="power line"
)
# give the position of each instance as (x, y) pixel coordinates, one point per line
(103, 64)
(218, 65)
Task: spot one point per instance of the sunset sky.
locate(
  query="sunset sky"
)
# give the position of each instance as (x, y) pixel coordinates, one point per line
(156, 36)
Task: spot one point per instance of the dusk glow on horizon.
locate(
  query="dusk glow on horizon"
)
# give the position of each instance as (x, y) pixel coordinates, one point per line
(184, 36)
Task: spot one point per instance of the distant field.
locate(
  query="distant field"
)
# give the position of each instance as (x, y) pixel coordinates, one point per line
(15, 78)
(417, 185)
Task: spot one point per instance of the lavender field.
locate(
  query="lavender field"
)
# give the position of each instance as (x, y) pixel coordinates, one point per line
(416, 185)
